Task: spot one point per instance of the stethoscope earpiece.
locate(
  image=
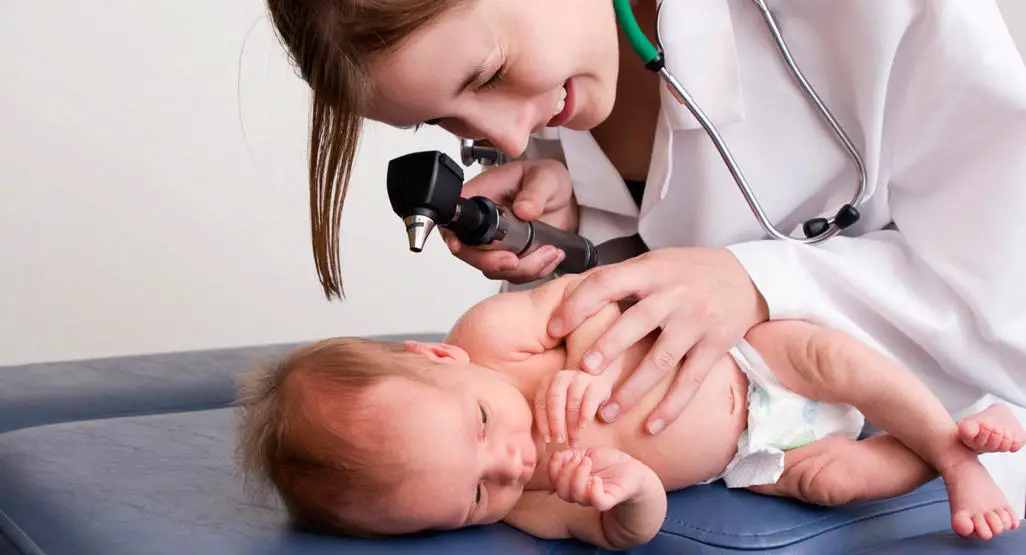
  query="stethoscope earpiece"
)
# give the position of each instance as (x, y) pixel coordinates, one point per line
(845, 218)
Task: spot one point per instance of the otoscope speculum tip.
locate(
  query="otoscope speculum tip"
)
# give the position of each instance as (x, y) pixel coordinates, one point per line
(418, 228)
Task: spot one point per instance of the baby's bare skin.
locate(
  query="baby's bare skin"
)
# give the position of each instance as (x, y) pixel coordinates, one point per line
(703, 440)
(705, 436)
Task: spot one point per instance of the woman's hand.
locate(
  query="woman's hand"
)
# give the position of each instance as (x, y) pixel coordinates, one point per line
(701, 298)
(536, 190)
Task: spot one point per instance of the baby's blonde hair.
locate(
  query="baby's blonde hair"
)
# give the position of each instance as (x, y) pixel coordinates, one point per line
(307, 432)
(331, 43)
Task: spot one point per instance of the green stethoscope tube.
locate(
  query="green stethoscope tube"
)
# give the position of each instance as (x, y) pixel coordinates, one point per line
(639, 42)
(816, 229)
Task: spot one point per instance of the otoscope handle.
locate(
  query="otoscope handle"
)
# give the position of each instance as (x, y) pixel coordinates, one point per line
(480, 221)
(581, 254)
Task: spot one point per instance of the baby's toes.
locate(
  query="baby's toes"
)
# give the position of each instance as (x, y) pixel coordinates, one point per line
(994, 521)
(985, 435)
(968, 431)
(1009, 521)
(968, 428)
(997, 441)
(962, 523)
(980, 526)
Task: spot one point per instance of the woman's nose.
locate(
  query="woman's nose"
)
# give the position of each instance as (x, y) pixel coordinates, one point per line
(508, 126)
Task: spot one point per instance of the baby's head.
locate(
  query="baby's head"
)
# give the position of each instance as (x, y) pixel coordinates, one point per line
(372, 438)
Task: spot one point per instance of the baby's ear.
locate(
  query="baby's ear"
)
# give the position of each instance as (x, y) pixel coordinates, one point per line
(441, 352)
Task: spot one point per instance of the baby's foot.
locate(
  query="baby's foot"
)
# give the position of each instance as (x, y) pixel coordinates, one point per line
(995, 429)
(978, 508)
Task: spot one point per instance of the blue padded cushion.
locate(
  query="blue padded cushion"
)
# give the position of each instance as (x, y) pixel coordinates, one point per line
(46, 393)
(133, 455)
(166, 484)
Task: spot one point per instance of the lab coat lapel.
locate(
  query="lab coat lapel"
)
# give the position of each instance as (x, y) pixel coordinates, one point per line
(597, 184)
(697, 37)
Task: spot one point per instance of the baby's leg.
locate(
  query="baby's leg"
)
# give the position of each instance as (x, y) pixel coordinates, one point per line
(836, 470)
(832, 367)
(993, 430)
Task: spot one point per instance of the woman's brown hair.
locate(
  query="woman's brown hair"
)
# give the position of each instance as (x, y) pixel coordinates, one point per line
(331, 42)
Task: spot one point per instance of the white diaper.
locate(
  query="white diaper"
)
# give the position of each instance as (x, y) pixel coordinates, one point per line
(779, 420)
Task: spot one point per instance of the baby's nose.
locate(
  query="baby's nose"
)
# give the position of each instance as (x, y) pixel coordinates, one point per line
(507, 465)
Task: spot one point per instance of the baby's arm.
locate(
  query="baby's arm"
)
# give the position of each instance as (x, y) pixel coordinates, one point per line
(582, 338)
(603, 497)
(830, 366)
(569, 399)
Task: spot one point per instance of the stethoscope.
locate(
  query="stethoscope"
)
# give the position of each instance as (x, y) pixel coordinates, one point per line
(816, 229)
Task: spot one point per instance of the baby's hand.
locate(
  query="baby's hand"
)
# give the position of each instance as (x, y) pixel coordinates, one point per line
(566, 401)
(600, 477)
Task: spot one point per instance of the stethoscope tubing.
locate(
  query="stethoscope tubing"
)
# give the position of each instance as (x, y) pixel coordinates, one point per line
(653, 58)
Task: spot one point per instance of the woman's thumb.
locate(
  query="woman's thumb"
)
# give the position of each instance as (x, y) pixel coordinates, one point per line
(527, 207)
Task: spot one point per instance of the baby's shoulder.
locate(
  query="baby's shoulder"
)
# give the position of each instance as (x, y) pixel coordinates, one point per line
(510, 326)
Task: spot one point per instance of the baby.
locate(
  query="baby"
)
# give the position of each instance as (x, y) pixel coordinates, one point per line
(497, 423)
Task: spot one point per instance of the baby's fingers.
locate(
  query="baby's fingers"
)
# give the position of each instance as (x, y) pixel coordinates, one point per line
(564, 474)
(593, 399)
(598, 496)
(575, 398)
(556, 405)
(580, 481)
(541, 417)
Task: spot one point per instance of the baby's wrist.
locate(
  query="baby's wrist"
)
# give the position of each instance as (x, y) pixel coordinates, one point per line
(650, 487)
(639, 517)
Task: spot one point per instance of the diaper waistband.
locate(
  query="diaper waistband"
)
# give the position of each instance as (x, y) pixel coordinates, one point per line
(756, 369)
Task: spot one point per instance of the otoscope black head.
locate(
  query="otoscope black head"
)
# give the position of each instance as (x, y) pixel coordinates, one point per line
(426, 183)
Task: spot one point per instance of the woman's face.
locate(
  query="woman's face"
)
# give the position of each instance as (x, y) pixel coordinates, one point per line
(503, 69)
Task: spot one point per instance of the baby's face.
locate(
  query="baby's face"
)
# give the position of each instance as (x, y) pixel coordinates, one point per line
(468, 441)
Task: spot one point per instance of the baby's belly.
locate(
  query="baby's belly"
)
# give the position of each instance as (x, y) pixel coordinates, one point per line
(699, 444)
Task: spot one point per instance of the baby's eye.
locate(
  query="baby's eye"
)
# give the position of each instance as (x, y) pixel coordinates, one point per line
(477, 496)
(484, 417)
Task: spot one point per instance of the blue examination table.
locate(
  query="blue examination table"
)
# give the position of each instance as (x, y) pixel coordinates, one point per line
(134, 455)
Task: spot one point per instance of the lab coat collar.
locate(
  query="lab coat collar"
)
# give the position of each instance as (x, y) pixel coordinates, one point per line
(697, 37)
(597, 184)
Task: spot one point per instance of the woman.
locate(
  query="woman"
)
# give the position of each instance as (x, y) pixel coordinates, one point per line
(931, 92)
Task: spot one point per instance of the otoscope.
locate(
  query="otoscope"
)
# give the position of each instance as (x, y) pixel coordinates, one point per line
(424, 189)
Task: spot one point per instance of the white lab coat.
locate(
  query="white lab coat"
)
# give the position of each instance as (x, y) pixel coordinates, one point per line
(933, 94)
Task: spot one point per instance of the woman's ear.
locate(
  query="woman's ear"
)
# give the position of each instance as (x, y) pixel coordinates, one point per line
(441, 352)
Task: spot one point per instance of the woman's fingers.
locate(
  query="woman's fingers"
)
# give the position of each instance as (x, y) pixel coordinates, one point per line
(606, 285)
(632, 326)
(660, 362)
(534, 266)
(532, 188)
(537, 190)
(502, 265)
(697, 365)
